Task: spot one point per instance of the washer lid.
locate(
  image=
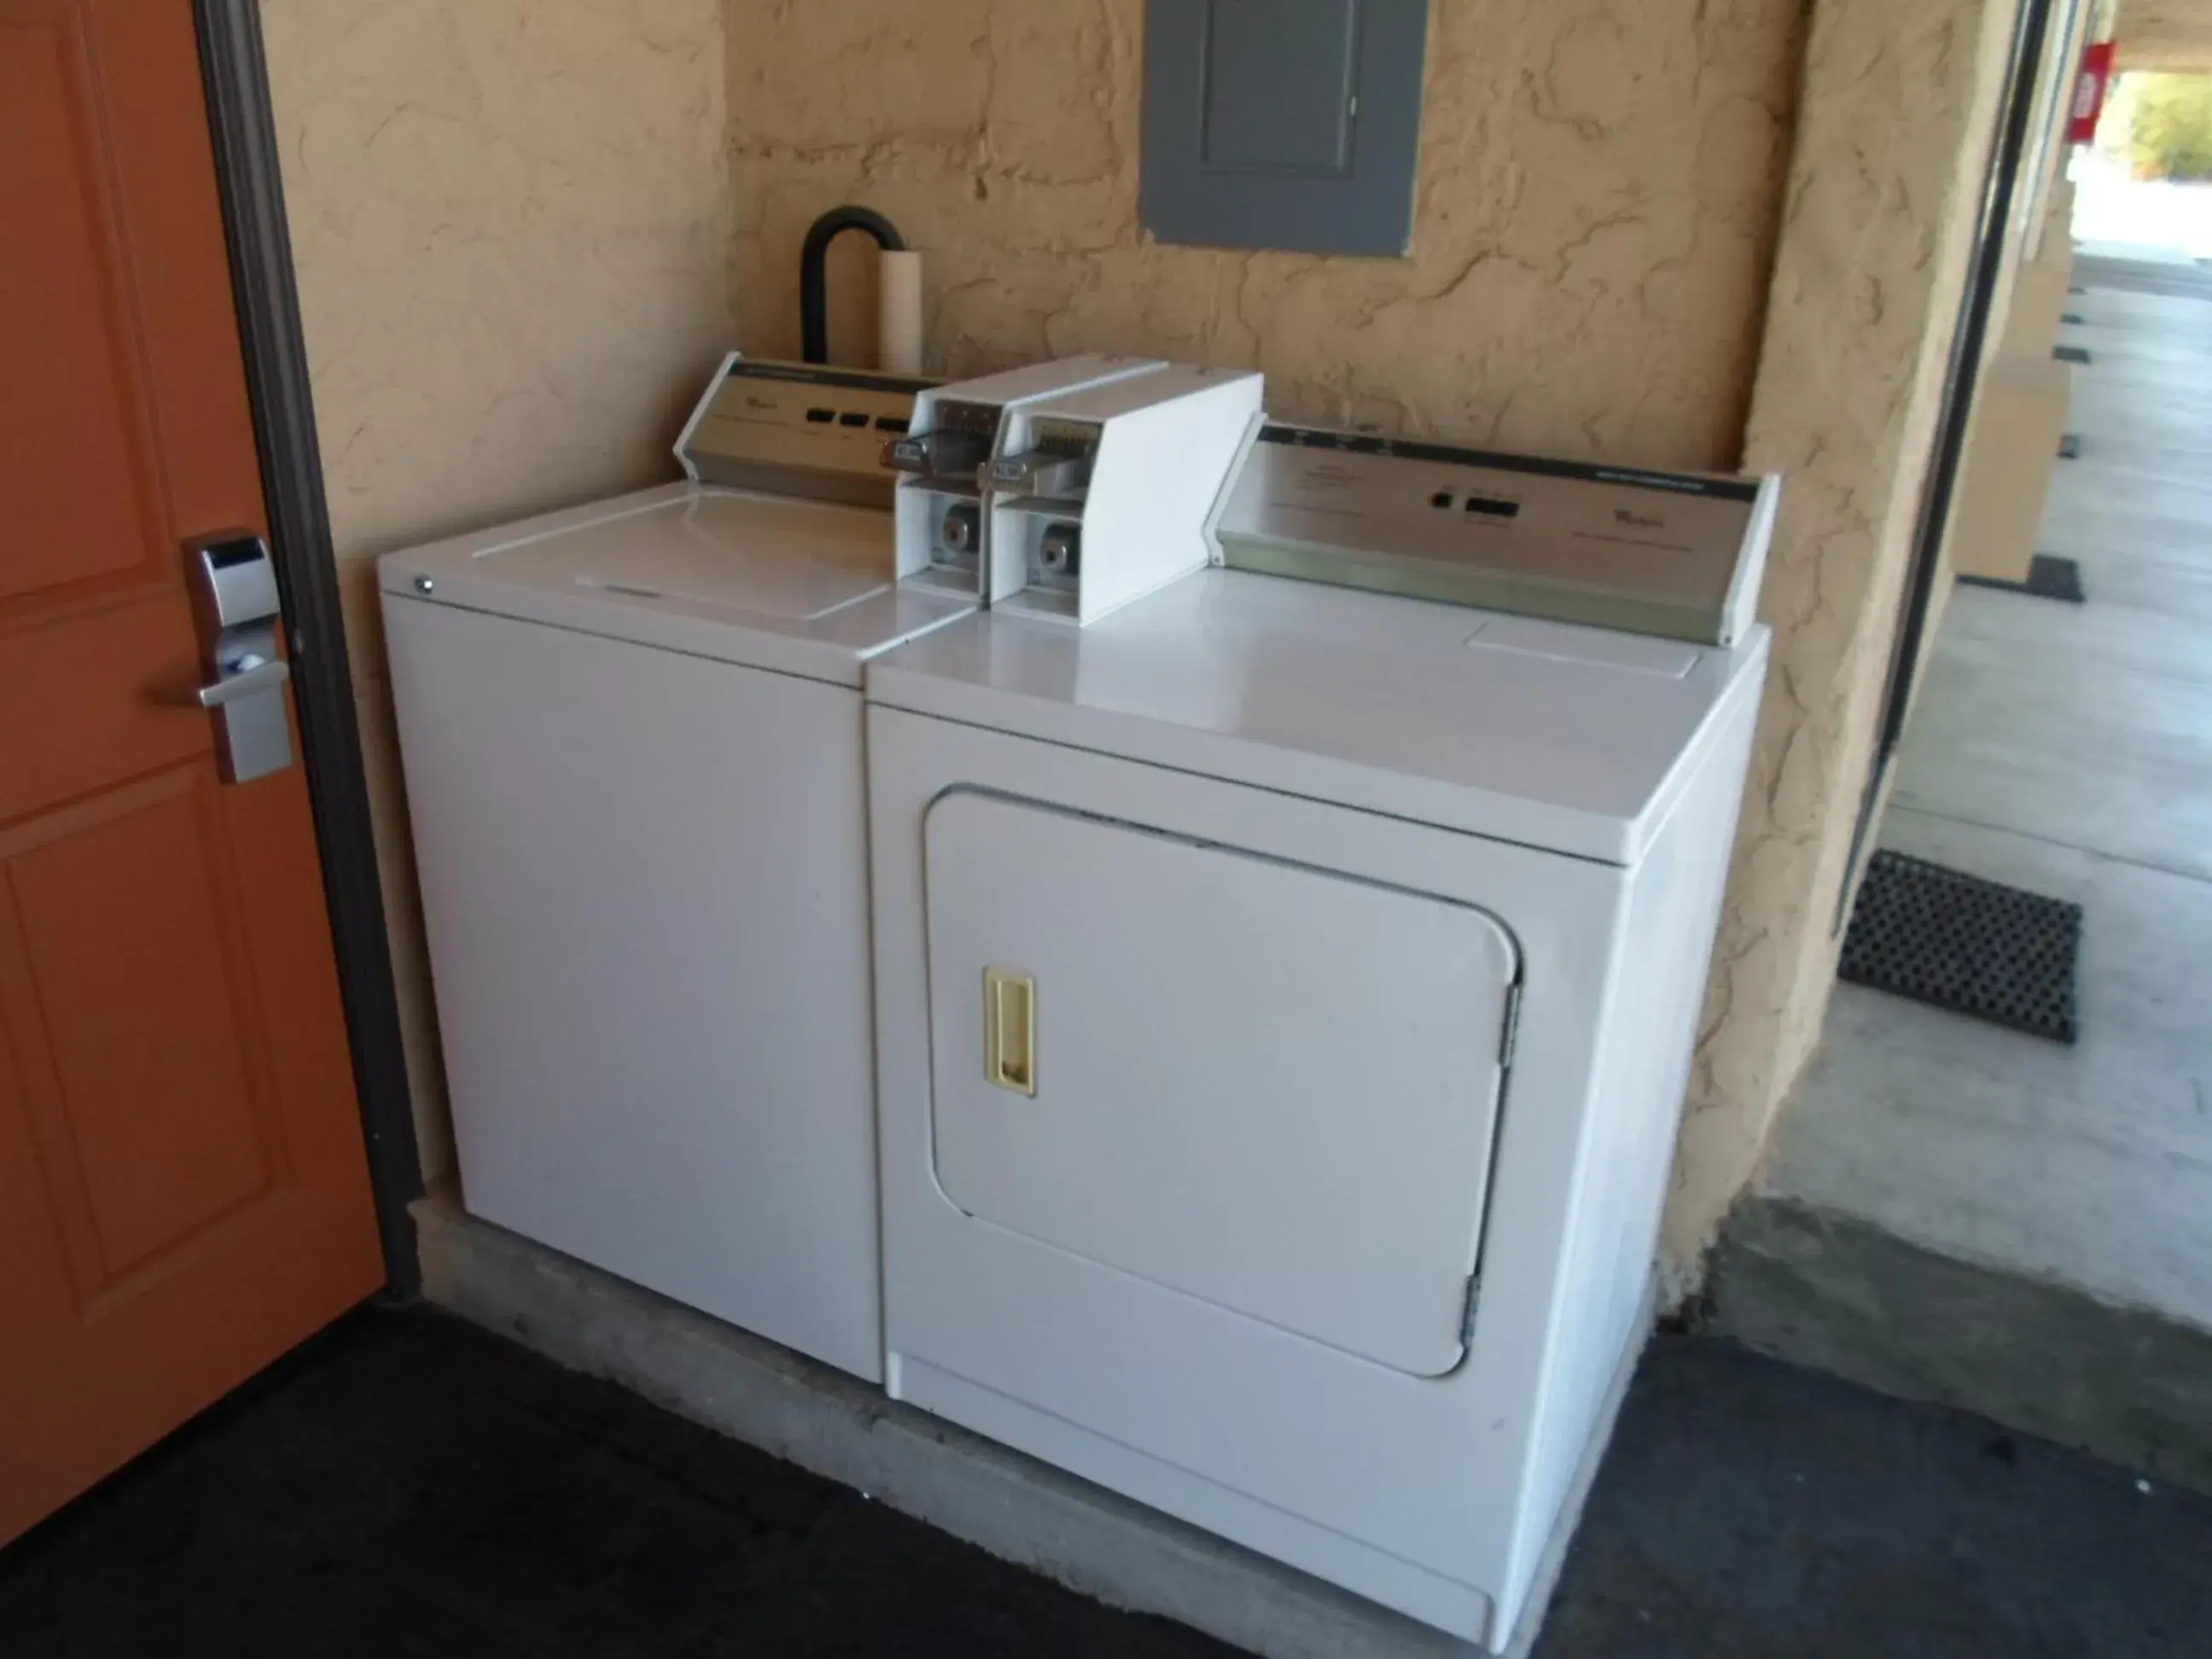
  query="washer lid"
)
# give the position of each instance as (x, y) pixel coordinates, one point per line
(804, 587)
(1572, 738)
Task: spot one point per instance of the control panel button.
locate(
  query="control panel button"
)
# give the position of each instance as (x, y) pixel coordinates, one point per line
(891, 423)
(821, 416)
(849, 419)
(1442, 498)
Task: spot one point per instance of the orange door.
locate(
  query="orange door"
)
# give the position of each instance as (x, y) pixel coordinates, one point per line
(184, 1192)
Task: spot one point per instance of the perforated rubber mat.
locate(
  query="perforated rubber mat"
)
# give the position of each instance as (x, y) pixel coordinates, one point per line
(1975, 947)
(2049, 577)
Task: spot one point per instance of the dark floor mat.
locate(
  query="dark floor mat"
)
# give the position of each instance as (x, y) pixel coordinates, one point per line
(1975, 947)
(2071, 354)
(409, 1485)
(2049, 577)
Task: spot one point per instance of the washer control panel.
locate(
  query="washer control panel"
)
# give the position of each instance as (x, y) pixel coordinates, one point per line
(798, 429)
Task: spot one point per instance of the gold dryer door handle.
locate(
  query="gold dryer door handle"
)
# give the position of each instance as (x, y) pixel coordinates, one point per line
(1010, 1031)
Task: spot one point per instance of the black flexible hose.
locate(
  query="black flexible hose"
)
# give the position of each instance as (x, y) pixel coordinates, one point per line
(813, 306)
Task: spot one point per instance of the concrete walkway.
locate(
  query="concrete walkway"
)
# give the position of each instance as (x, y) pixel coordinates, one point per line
(2066, 750)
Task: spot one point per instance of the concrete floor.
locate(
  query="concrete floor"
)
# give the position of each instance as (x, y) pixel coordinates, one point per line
(2066, 750)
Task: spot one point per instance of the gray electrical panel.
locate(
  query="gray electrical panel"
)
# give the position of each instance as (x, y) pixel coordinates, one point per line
(1283, 124)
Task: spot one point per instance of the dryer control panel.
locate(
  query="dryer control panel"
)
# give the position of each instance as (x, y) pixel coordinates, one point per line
(798, 429)
(1679, 555)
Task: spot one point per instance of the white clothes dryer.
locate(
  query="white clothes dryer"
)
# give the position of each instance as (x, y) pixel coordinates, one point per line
(1285, 997)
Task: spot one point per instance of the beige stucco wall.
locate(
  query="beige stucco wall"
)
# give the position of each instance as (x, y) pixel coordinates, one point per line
(2164, 34)
(509, 221)
(1899, 109)
(1598, 184)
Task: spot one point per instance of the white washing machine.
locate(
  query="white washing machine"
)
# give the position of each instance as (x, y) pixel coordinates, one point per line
(1285, 995)
(632, 739)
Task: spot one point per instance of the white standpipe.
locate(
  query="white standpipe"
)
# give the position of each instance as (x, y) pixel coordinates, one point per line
(898, 321)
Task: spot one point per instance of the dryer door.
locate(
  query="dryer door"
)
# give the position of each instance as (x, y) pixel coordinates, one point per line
(1256, 1083)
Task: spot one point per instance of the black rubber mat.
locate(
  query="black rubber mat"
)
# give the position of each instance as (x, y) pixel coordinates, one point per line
(2069, 447)
(409, 1487)
(1975, 947)
(2049, 577)
(2070, 353)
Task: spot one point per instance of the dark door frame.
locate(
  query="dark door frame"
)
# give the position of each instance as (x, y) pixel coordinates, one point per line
(242, 123)
(1961, 382)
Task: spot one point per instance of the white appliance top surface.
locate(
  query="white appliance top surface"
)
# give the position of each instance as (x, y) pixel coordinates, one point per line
(1551, 735)
(804, 586)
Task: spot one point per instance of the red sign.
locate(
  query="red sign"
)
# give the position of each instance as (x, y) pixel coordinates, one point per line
(2096, 80)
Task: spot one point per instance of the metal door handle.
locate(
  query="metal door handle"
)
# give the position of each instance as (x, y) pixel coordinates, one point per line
(238, 609)
(251, 677)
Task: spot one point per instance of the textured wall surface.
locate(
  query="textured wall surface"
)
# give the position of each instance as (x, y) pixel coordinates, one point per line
(1898, 106)
(2164, 34)
(510, 221)
(1599, 186)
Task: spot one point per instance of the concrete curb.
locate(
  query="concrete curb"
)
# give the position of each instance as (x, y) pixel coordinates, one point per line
(1840, 1294)
(999, 1500)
